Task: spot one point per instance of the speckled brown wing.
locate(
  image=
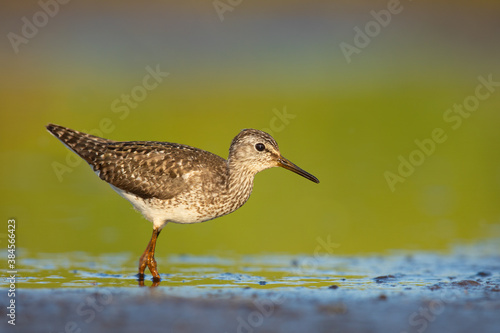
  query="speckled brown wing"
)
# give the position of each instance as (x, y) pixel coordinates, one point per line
(87, 146)
(145, 168)
(150, 169)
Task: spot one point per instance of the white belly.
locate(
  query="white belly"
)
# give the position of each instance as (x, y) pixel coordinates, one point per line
(160, 212)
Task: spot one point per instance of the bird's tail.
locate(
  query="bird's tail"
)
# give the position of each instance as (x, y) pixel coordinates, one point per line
(87, 146)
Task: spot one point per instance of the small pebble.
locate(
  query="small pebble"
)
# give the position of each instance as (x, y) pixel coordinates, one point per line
(384, 278)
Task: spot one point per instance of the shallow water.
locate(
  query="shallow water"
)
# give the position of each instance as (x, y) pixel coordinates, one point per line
(396, 271)
(456, 291)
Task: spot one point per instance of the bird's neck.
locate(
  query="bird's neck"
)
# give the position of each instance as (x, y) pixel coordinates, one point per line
(240, 184)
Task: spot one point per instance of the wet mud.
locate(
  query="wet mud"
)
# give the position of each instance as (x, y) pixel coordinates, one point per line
(419, 292)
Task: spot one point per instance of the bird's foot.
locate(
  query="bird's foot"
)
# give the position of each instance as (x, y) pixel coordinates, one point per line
(149, 261)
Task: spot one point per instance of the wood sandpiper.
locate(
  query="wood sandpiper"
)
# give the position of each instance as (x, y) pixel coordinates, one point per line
(170, 182)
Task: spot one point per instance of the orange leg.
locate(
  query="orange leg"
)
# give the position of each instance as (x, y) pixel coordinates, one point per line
(148, 258)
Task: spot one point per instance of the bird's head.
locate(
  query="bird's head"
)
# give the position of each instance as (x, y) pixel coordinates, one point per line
(256, 150)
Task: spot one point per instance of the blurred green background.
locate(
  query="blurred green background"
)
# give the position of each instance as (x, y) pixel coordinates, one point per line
(348, 121)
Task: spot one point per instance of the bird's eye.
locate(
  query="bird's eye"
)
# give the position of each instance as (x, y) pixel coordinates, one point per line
(260, 146)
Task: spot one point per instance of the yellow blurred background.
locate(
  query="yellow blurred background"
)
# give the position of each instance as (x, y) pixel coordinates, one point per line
(279, 66)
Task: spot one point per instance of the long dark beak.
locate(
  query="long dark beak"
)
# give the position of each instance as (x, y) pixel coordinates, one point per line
(284, 163)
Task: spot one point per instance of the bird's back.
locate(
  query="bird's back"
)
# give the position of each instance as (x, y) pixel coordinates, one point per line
(147, 169)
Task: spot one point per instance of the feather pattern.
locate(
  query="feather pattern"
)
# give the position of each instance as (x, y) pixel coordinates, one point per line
(170, 182)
